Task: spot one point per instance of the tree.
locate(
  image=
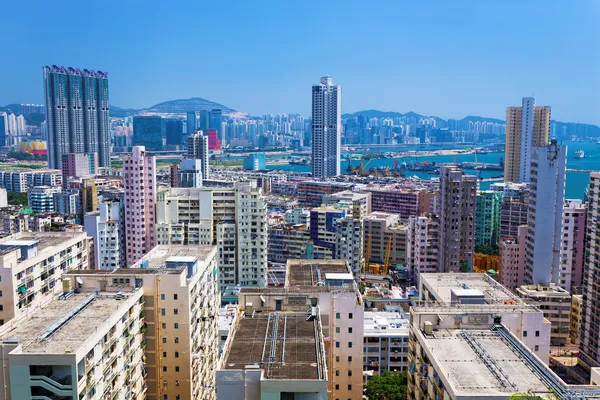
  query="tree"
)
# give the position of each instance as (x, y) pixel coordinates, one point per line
(493, 250)
(389, 386)
(17, 198)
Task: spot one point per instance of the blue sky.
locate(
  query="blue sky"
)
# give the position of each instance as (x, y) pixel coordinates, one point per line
(446, 58)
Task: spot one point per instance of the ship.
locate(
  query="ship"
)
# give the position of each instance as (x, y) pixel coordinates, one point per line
(579, 154)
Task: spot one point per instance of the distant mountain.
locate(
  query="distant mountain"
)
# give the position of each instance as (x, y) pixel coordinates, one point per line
(178, 106)
(474, 118)
(412, 114)
(13, 108)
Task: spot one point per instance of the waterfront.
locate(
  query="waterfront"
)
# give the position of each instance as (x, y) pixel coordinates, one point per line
(576, 181)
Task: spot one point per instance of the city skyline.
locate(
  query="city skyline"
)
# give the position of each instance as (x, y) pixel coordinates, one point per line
(423, 63)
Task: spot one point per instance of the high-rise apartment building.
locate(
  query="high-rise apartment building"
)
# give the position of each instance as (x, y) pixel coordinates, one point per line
(326, 128)
(215, 121)
(487, 217)
(197, 148)
(139, 170)
(189, 174)
(191, 123)
(512, 259)
(422, 245)
(3, 129)
(149, 131)
(545, 214)
(589, 349)
(107, 228)
(526, 126)
(180, 307)
(78, 164)
(77, 113)
(573, 245)
(174, 132)
(383, 229)
(457, 220)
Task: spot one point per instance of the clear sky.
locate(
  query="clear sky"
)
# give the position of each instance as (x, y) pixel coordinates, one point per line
(449, 58)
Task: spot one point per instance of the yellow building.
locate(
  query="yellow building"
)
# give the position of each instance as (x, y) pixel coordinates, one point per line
(526, 126)
(576, 305)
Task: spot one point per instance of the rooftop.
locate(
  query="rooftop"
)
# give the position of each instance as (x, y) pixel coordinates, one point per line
(441, 286)
(283, 345)
(159, 255)
(480, 362)
(311, 272)
(73, 333)
(45, 240)
(385, 323)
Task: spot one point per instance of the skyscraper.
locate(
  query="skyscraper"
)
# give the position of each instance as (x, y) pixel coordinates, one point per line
(3, 128)
(191, 125)
(197, 148)
(545, 214)
(77, 113)
(457, 228)
(140, 201)
(215, 119)
(174, 132)
(526, 126)
(149, 131)
(326, 128)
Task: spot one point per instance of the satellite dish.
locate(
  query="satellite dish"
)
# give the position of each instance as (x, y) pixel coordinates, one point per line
(79, 280)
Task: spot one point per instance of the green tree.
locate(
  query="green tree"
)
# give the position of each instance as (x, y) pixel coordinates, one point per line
(389, 386)
(16, 198)
(487, 249)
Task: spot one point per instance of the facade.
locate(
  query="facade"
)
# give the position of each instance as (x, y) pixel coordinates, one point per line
(140, 203)
(358, 204)
(457, 214)
(107, 228)
(422, 245)
(385, 342)
(349, 241)
(190, 174)
(181, 305)
(191, 123)
(289, 242)
(235, 219)
(321, 315)
(589, 348)
(573, 245)
(31, 268)
(404, 202)
(526, 126)
(312, 193)
(81, 345)
(76, 113)
(78, 164)
(326, 129)
(576, 312)
(255, 162)
(487, 217)
(213, 139)
(512, 259)
(19, 181)
(380, 229)
(545, 214)
(555, 303)
(513, 214)
(323, 222)
(197, 148)
(67, 202)
(41, 198)
(215, 122)
(174, 132)
(149, 132)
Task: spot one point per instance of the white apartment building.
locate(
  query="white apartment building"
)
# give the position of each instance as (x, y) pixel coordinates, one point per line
(349, 242)
(79, 346)
(545, 214)
(422, 246)
(455, 300)
(31, 268)
(139, 171)
(573, 244)
(41, 198)
(19, 181)
(181, 305)
(385, 342)
(107, 227)
(235, 219)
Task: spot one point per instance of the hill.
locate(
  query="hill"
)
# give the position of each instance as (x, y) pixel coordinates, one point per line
(185, 105)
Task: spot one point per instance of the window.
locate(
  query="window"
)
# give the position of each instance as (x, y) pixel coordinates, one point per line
(350, 315)
(166, 397)
(337, 345)
(337, 329)
(337, 315)
(175, 296)
(177, 368)
(337, 372)
(176, 354)
(164, 369)
(537, 348)
(176, 340)
(176, 325)
(162, 296)
(163, 312)
(337, 387)
(537, 333)
(524, 333)
(164, 354)
(175, 311)
(164, 325)
(349, 358)
(164, 340)
(350, 330)
(349, 387)
(337, 358)
(349, 345)
(349, 372)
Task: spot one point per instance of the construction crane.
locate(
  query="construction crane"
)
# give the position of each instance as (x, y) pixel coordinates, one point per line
(388, 253)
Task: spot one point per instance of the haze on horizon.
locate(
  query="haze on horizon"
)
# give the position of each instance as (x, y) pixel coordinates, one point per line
(449, 59)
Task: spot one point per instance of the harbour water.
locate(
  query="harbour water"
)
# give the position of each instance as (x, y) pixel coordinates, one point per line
(576, 182)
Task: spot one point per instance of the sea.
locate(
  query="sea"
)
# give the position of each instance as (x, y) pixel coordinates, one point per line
(576, 182)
